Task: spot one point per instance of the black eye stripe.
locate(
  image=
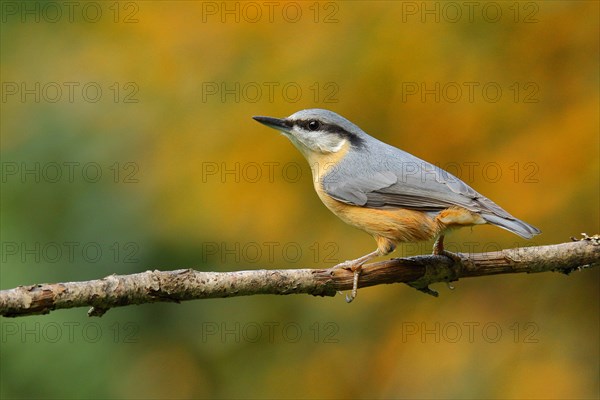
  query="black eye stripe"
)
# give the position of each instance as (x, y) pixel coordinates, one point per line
(354, 139)
(309, 125)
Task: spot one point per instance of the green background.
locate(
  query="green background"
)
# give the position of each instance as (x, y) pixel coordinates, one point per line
(188, 179)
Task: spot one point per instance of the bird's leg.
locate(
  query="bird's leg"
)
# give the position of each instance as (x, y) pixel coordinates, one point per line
(438, 250)
(356, 267)
(438, 245)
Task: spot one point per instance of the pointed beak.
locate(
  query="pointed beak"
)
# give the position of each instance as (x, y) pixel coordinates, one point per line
(280, 124)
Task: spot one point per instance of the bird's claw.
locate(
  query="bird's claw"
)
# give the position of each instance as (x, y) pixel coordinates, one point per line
(344, 265)
(352, 295)
(356, 270)
(453, 256)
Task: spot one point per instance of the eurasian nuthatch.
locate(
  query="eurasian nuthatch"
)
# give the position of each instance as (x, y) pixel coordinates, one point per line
(389, 193)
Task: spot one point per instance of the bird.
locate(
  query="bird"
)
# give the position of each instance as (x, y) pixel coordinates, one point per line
(393, 195)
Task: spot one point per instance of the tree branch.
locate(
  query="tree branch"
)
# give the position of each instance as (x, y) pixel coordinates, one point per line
(188, 284)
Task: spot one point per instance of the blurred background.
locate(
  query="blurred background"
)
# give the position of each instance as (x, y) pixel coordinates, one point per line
(128, 145)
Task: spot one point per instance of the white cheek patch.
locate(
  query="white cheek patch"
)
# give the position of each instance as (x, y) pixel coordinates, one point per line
(332, 145)
(324, 143)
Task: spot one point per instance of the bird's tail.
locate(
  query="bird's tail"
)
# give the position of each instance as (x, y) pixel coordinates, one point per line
(513, 225)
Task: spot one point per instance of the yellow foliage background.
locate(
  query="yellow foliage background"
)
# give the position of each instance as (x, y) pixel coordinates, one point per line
(190, 145)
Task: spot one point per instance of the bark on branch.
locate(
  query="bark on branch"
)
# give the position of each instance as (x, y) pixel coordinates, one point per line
(188, 284)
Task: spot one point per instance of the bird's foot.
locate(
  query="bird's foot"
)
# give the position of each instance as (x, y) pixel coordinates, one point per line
(453, 256)
(438, 250)
(345, 265)
(356, 267)
(356, 270)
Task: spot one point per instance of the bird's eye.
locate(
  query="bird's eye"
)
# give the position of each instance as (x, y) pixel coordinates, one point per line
(313, 125)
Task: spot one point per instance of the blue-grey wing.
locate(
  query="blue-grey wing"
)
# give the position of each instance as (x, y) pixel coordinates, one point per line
(398, 179)
(385, 177)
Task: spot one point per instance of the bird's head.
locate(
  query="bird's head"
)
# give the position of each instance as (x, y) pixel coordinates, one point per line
(316, 132)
